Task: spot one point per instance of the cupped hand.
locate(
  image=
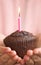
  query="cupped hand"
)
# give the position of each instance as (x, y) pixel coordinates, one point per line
(8, 56)
(32, 55)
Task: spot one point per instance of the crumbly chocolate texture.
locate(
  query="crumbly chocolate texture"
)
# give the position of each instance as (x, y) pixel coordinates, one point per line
(21, 41)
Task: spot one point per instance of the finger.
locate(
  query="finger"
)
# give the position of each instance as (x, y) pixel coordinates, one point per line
(12, 53)
(4, 49)
(37, 51)
(15, 58)
(22, 62)
(30, 52)
(10, 62)
(4, 58)
(26, 58)
(19, 59)
(18, 64)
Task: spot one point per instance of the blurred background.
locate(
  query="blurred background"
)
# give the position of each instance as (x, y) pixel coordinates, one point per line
(30, 11)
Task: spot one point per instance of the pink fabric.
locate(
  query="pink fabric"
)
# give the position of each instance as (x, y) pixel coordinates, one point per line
(30, 16)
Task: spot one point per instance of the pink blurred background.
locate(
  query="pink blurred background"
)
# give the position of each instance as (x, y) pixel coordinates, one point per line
(30, 16)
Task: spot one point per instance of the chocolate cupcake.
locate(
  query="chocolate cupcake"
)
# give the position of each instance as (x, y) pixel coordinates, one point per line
(21, 41)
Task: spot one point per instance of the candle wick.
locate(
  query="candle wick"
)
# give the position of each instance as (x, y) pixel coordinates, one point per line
(19, 14)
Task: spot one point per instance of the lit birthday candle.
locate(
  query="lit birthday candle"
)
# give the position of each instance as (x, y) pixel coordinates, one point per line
(19, 20)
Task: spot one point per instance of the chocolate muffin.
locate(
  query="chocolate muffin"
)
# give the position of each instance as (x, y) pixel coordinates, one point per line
(21, 41)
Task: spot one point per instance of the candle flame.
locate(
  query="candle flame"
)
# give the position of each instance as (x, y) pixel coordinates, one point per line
(19, 10)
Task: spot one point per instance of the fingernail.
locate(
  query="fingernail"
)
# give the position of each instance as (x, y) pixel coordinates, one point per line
(12, 53)
(30, 52)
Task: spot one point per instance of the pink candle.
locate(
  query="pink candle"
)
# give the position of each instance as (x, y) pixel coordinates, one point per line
(19, 20)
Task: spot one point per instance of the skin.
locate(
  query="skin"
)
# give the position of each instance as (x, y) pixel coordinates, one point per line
(8, 56)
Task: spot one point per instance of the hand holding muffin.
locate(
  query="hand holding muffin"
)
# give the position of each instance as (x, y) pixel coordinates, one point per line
(8, 56)
(33, 57)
